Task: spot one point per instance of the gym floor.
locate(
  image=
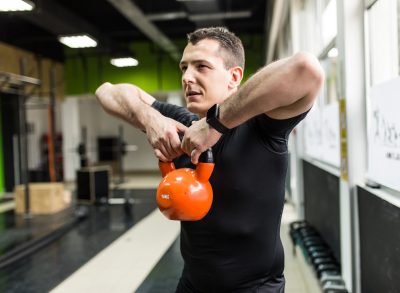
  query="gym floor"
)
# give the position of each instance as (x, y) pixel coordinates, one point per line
(115, 249)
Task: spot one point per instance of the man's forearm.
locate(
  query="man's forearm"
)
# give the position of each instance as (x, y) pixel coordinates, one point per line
(291, 81)
(127, 102)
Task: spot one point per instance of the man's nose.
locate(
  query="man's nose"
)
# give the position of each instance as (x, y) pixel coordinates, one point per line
(188, 76)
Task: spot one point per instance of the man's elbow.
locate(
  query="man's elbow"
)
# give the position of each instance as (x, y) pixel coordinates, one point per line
(309, 66)
(312, 74)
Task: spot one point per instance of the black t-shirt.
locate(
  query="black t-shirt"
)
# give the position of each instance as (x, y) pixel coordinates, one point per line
(238, 242)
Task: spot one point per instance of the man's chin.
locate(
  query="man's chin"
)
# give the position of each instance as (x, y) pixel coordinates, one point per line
(196, 109)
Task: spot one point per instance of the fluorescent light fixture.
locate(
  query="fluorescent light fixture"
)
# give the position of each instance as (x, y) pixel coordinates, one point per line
(78, 41)
(124, 62)
(333, 52)
(166, 16)
(16, 5)
(195, 0)
(221, 15)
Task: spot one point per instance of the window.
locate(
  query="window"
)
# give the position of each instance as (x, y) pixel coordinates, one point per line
(382, 41)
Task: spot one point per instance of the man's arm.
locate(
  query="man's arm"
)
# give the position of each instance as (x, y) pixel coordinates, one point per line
(133, 105)
(283, 89)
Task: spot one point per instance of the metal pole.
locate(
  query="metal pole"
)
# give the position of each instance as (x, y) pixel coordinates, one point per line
(23, 140)
(52, 134)
(82, 149)
(119, 153)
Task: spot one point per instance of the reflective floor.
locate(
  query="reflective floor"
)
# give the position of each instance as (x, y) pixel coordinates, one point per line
(47, 267)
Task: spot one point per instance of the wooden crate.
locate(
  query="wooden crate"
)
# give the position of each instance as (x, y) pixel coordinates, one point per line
(45, 198)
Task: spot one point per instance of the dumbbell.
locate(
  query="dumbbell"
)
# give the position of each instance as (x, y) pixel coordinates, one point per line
(294, 232)
(307, 231)
(326, 268)
(336, 290)
(317, 251)
(313, 242)
(308, 235)
(332, 272)
(317, 254)
(323, 260)
(310, 240)
(324, 263)
(297, 224)
(334, 286)
(329, 277)
(298, 230)
(318, 248)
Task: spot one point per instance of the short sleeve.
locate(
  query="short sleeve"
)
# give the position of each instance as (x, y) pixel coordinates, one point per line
(177, 113)
(275, 132)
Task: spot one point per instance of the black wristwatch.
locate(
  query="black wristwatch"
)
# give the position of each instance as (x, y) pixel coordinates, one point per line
(212, 119)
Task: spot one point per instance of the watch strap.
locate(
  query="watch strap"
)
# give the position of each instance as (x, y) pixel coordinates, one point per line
(213, 119)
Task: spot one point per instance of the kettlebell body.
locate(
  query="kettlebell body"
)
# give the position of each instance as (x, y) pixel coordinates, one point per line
(185, 194)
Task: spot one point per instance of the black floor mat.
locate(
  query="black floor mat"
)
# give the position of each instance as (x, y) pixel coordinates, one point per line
(165, 275)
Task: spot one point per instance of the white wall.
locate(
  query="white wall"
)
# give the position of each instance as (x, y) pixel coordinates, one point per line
(85, 111)
(71, 136)
(37, 119)
(143, 158)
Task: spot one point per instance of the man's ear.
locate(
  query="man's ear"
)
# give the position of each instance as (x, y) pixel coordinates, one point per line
(236, 76)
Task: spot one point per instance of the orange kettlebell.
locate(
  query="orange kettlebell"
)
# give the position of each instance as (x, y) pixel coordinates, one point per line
(186, 194)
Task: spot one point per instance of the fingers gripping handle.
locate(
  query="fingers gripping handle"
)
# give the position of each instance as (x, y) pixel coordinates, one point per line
(204, 168)
(166, 167)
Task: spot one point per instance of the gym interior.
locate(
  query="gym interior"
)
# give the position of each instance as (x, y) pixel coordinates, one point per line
(78, 209)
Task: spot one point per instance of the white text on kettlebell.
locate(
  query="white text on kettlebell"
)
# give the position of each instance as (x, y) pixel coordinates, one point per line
(165, 196)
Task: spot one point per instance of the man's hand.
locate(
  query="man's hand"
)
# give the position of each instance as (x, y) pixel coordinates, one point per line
(198, 138)
(163, 135)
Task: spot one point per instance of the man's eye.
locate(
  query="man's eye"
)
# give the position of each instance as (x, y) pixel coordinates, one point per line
(183, 68)
(202, 66)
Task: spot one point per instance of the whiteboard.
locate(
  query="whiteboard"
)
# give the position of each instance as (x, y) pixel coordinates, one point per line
(321, 134)
(312, 133)
(384, 134)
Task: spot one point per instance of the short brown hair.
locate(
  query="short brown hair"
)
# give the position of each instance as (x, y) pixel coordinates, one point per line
(229, 41)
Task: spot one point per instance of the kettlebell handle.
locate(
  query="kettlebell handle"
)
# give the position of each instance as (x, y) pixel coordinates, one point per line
(206, 158)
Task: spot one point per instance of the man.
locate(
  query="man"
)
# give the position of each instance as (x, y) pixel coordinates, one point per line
(236, 247)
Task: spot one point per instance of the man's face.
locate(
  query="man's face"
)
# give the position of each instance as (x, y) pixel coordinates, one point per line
(205, 79)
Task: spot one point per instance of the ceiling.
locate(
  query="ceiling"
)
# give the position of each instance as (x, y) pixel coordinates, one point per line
(116, 23)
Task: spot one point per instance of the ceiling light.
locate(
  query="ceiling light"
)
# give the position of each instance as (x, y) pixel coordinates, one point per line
(78, 41)
(194, 0)
(16, 5)
(220, 15)
(166, 16)
(124, 62)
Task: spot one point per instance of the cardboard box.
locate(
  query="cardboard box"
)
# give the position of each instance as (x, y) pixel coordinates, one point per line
(45, 198)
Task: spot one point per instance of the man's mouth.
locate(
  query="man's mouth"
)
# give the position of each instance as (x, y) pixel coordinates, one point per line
(192, 94)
